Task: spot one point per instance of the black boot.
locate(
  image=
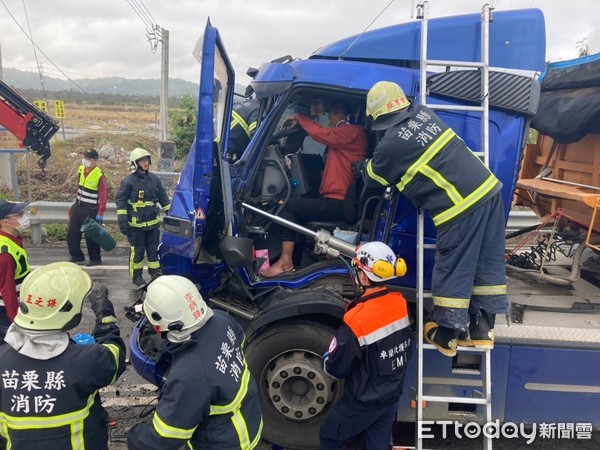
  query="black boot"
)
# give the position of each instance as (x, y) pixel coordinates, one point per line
(481, 331)
(138, 280)
(443, 338)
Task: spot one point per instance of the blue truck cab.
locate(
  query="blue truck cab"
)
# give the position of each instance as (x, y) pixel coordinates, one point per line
(214, 227)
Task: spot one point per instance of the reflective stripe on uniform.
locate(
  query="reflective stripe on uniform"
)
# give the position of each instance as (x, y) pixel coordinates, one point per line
(427, 156)
(468, 201)
(170, 432)
(383, 332)
(447, 302)
(238, 120)
(38, 423)
(499, 289)
(87, 191)
(77, 440)
(144, 224)
(237, 418)
(115, 350)
(237, 401)
(374, 176)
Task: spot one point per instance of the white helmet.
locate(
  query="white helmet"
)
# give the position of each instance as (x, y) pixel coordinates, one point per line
(174, 304)
(52, 296)
(378, 262)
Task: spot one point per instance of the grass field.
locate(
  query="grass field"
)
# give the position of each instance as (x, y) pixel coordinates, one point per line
(125, 127)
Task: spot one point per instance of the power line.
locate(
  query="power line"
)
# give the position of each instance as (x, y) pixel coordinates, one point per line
(153, 30)
(48, 58)
(35, 53)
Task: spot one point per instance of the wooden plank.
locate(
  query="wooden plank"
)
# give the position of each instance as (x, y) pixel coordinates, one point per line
(558, 190)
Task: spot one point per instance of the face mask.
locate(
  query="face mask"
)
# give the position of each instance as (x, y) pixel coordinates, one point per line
(24, 223)
(86, 162)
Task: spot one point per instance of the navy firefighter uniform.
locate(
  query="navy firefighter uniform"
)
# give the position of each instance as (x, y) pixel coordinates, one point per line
(49, 395)
(370, 351)
(210, 400)
(437, 172)
(244, 116)
(138, 209)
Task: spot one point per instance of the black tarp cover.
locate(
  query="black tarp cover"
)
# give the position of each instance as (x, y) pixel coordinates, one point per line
(569, 105)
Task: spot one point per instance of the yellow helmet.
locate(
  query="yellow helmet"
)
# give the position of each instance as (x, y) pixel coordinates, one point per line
(385, 97)
(52, 296)
(137, 154)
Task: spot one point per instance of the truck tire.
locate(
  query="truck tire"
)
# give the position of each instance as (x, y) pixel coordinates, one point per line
(295, 392)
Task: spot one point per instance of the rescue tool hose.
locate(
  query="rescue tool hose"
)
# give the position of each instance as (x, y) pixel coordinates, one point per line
(325, 243)
(540, 277)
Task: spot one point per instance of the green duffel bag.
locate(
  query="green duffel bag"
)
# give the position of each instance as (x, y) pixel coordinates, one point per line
(95, 231)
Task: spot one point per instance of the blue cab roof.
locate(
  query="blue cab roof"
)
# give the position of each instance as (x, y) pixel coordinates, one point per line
(517, 41)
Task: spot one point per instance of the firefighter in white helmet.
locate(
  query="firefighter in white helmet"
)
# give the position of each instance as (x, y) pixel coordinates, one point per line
(49, 391)
(370, 351)
(209, 399)
(138, 200)
(433, 167)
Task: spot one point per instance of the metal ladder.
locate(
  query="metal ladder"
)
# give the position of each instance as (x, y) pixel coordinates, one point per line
(485, 371)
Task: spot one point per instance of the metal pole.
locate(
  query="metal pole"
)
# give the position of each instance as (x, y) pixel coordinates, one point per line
(13, 176)
(485, 87)
(423, 14)
(164, 85)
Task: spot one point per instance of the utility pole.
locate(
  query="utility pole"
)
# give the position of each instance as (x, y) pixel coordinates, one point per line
(6, 179)
(166, 149)
(164, 85)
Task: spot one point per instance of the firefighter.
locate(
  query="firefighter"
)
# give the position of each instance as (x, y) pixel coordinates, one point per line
(432, 167)
(14, 265)
(90, 202)
(370, 351)
(244, 117)
(209, 399)
(138, 214)
(49, 391)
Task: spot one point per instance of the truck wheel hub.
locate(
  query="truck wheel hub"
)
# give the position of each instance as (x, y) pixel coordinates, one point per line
(297, 386)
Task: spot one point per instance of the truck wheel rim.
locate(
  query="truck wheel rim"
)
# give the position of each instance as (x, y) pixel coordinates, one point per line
(297, 386)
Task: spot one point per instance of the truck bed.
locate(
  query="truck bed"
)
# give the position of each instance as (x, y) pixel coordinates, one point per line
(551, 326)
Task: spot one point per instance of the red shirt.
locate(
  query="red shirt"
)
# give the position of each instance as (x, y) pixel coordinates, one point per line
(346, 144)
(8, 289)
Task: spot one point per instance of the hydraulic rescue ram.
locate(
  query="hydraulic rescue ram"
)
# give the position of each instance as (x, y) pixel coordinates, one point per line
(325, 243)
(29, 124)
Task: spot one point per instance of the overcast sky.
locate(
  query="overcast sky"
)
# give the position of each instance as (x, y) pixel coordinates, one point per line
(97, 38)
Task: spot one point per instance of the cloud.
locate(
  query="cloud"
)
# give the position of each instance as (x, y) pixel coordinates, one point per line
(95, 38)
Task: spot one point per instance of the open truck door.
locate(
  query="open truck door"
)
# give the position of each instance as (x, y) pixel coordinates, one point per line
(206, 169)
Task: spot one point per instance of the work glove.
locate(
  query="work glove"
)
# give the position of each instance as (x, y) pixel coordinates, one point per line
(357, 167)
(101, 305)
(124, 228)
(99, 219)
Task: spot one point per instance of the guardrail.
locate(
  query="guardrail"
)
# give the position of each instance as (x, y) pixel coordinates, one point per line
(41, 213)
(56, 212)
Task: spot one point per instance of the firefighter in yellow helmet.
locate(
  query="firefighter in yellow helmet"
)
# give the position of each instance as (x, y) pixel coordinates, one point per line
(139, 200)
(432, 166)
(209, 399)
(49, 391)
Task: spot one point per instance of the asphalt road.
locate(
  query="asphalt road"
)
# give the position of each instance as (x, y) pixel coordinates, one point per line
(132, 396)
